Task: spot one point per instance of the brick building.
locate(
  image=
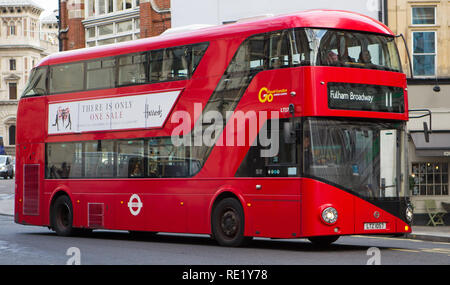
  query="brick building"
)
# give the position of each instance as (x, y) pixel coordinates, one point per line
(87, 23)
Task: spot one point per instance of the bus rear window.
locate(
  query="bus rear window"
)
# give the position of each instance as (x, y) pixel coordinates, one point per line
(66, 78)
(37, 84)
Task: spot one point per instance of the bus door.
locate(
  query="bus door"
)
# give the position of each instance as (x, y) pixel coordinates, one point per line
(388, 162)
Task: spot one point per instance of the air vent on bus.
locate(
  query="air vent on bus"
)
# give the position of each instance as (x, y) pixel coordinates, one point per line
(31, 189)
(96, 215)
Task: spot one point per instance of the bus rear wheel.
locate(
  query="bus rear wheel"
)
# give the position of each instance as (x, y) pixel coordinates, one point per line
(228, 223)
(323, 241)
(61, 217)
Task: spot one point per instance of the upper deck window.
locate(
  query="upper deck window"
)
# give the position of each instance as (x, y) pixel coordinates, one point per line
(177, 63)
(354, 49)
(101, 74)
(67, 78)
(37, 83)
(170, 64)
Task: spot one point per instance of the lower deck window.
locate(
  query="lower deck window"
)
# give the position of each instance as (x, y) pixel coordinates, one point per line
(136, 158)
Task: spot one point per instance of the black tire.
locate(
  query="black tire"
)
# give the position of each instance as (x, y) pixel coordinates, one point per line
(323, 241)
(142, 234)
(228, 223)
(61, 216)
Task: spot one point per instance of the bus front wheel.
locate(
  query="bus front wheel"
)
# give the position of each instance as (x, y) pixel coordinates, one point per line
(228, 223)
(62, 216)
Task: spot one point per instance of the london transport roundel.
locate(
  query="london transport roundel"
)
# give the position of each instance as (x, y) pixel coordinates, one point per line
(135, 204)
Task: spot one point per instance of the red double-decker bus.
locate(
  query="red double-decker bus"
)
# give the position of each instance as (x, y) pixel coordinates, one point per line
(285, 127)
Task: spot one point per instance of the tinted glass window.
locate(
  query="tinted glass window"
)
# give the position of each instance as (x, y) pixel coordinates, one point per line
(132, 69)
(354, 49)
(279, 51)
(130, 158)
(37, 83)
(167, 160)
(64, 160)
(67, 78)
(178, 63)
(276, 152)
(99, 159)
(137, 158)
(101, 74)
(364, 157)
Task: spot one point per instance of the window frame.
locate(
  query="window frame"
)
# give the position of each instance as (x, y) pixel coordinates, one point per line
(50, 75)
(421, 54)
(412, 15)
(417, 183)
(12, 64)
(116, 58)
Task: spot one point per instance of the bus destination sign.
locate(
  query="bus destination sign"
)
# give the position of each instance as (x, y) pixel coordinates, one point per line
(364, 97)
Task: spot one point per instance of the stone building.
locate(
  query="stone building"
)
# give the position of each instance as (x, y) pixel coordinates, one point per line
(425, 25)
(22, 44)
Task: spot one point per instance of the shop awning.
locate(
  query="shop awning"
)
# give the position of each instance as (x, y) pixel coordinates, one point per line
(439, 144)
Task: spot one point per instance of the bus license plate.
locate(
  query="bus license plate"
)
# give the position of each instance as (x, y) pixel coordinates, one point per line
(374, 226)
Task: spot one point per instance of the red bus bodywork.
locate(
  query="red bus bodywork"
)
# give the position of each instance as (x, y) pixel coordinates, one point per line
(273, 207)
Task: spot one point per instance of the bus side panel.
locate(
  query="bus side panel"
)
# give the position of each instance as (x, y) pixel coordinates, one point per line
(31, 120)
(315, 197)
(272, 206)
(30, 207)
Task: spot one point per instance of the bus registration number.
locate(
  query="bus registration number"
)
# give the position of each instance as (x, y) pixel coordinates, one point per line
(374, 226)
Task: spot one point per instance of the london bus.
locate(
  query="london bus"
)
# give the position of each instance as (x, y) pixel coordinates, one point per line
(290, 126)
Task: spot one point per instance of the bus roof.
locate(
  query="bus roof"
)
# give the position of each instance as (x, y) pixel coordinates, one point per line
(331, 19)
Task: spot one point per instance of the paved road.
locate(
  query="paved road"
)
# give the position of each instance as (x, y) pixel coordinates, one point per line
(36, 245)
(6, 186)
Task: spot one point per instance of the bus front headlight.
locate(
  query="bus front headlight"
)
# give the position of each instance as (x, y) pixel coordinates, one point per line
(409, 214)
(329, 215)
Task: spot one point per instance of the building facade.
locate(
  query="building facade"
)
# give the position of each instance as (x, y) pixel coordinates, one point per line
(88, 23)
(425, 25)
(218, 12)
(22, 44)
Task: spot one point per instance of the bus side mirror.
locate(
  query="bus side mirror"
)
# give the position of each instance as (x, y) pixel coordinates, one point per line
(426, 132)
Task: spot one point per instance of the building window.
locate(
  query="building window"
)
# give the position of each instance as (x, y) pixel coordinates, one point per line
(91, 8)
(116, 32)
(12, 135)
(13, 91)
(101, 7)
(430, 178)
(12, 64)
(424, 15)
(424, 53)
(12, 30)
(105, 30)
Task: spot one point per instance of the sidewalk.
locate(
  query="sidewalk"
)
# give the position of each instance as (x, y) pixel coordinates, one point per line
(436, 234)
